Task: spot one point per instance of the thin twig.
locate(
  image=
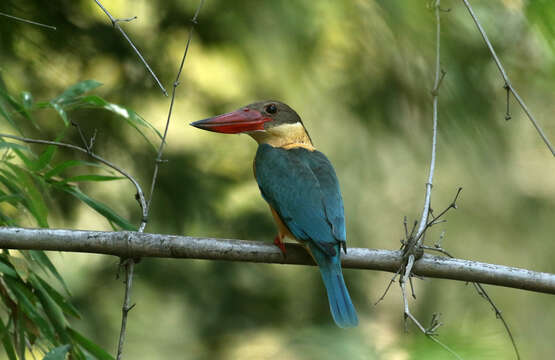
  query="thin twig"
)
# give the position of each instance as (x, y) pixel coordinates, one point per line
(413, 244)
(482, 292)
(480, 289)
(140, 194)
(388, 286)
(449, 350)
(453, 205)
(439, 250)
(115, 24)
(28, 21)
(81, 135)
(129, 262)
(506, 78)
(402, 282)
(126, 307)
(435, 96)
(175, 84)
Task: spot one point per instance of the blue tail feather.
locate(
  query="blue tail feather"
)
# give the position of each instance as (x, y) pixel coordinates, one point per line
(341, 306)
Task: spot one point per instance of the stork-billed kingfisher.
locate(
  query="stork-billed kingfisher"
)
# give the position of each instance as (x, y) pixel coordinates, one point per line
(300, 185)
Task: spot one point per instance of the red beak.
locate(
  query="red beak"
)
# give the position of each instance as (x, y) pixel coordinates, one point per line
(239, 121)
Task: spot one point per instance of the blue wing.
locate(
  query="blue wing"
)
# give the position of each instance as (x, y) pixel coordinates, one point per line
(301, 186)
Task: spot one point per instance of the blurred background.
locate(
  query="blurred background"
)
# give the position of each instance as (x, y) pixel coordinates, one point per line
(359, 73)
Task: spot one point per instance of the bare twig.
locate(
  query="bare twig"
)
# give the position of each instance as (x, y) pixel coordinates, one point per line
(506, 78)
(129, 262)
(126, 307)
(81, 135)
(403, 283)
(28, 21)
(388, 286)
(436, 219)
(140, 194)
(435, 96)
(413, 243)
(447, 348)
(115, 24)
(175, 84)
(412, 246)
(508, 112)
(482, 292)
(439, 250)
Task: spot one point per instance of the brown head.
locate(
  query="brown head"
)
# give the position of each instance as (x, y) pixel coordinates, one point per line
(270, 122)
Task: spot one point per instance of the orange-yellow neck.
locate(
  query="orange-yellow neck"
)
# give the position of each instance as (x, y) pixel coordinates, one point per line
(286, 136)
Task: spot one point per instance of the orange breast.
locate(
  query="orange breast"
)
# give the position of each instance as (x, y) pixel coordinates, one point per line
(282, 228)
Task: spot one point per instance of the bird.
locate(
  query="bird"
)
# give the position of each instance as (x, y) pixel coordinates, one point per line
(301, 187)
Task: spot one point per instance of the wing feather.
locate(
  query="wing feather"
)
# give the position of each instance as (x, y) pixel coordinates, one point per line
(301, 186)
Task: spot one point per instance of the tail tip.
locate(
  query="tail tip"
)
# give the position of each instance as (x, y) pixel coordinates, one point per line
(344, 321)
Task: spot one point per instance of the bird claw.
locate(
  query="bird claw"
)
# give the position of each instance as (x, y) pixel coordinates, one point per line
(280, 244)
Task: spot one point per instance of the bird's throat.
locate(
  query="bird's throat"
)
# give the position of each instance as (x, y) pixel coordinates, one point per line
(286, 136)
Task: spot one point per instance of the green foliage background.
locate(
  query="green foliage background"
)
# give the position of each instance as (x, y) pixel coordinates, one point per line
(360, 74)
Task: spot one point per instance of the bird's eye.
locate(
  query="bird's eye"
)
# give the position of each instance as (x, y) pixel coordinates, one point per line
(271, 109)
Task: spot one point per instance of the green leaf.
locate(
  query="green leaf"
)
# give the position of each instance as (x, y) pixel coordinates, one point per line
(58, 353)
(76, 90)
(132, 118)
(34, 201)
(27, 302)
(101, 208)
(7, 270)
(7, 341)
(5, 114)
(71, 163)
(42, 161)
(10, 182)
(6, 220)
(20, 266)
(89, 346)
(18, 108)
(66, 306)
(29, 163)
(20, 335)
(45, 158)
(27, 100)
(92, 177)
(8, 296)
(61, 112)
(52, 310)
(11, 198)
(41, 258)
(9, 145)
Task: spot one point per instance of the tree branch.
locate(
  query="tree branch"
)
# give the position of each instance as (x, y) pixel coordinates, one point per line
(508, 84)
(129, 244)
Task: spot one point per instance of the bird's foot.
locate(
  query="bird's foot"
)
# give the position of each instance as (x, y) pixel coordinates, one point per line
(280, 244)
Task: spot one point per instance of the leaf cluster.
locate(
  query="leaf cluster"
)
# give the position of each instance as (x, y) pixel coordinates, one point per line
(35, 316)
